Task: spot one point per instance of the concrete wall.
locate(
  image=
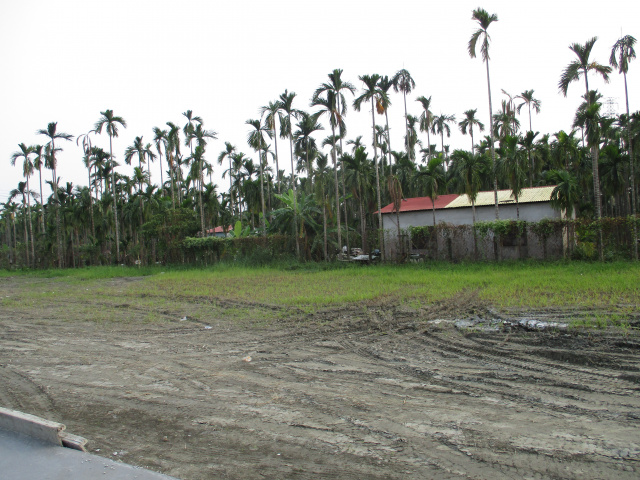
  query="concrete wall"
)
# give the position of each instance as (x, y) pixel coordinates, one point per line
(458, 243)
(531, 212)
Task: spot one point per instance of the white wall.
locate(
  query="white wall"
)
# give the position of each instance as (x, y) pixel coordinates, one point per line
(531, 212)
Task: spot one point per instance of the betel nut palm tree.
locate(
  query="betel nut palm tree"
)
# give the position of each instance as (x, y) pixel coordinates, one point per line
(325, 97)
(426, 121)
(441, 126)
(371, 91)
(110, 122)
(580, 67)
(528, 100)
(431, 177)
(403, 82)
(228, 152)
(286, 131)
(621, 53)
(27, 170)
(52, 133)
(270, 113)
(255, 139)
(468, 122)
(484, 20)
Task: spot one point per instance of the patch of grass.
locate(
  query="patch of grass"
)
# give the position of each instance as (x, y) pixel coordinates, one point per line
(613, 286)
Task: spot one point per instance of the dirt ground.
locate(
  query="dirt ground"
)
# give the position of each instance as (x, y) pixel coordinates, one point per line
(371, 391)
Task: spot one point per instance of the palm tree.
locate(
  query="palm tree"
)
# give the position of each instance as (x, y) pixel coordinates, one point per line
(532, 154)
(426, 121)
(621, 53)
(484, 20)
(403, 82)
(86, 147)
(334, 105)
(27, 170)
(25, 193)
(471, 170)
(581, 67)
(143, 152)
(468, 122)
(305, 144)
(52, 133)
(271, 112)
(255, 139)
(358, 175)
(385, 84)
(286, 130)
(189, 128)
(528, 100)
(160, 139)
(172, 151)
(371, 93)
(228, 153)
(566, 193)
(329, 105)
(441, 126)
(110, 122)
(201, 135)
(38, 163)
(340, 87)
(509, 108)
(430, 178)
(505, 122)
(511, 167)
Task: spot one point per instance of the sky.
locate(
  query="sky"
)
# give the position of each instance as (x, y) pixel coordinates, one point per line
(151, 60)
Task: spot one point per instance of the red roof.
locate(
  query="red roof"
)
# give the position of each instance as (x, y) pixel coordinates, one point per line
(220, 229)
(421, 203)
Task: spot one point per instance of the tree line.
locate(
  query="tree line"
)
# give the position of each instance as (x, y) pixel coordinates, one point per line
(334, 184)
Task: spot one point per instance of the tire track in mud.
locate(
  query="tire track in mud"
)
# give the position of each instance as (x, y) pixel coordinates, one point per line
(544, 386)
(514, 457)
(590, 380)
(19, 392)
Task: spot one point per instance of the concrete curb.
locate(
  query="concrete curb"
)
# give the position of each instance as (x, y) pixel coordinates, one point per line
(39, 428)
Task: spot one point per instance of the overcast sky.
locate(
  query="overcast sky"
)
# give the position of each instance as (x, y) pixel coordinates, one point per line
(151, 60)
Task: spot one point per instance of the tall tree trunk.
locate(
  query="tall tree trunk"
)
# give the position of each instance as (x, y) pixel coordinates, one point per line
(33, 253)
(363, 225)
(295, 197)
(171, 174)
(26, 230)
(493, 151)
(41, 202)
(115, 203)
(473, 151)
(596, 181)
(57, 199)
(344, 191)
(275, 140)
(388, 142)
(335, 174)
(264, 218)
(93, 227)
(406, 123)
(375, 158)
(632, 175)
(324, 224)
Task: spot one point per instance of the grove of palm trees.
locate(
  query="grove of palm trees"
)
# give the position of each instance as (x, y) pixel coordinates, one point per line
(307, 181)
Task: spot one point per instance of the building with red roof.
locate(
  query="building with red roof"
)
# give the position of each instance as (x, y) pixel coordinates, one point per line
(533, 205)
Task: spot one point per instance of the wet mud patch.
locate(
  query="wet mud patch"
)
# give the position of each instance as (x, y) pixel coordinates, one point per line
(375, 390)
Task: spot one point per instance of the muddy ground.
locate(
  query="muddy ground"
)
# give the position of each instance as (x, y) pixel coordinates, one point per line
(378, 391)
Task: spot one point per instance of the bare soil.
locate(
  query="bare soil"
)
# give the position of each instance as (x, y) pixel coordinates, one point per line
(377, 391)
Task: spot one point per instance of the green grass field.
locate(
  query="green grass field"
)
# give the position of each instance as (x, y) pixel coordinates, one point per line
(519, 285)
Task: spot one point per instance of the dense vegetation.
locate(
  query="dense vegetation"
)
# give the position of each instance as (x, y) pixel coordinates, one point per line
(334, 185)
